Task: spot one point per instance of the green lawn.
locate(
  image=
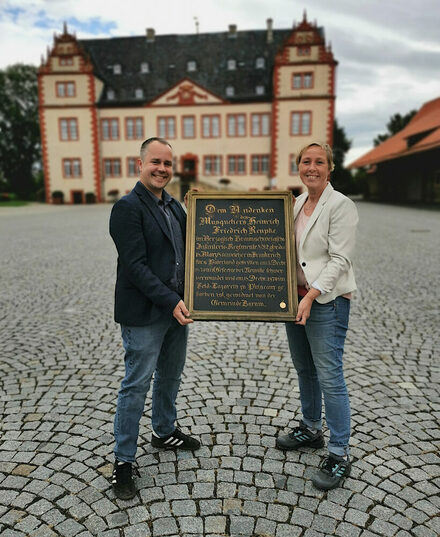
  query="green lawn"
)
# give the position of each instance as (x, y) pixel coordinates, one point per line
(13, 203)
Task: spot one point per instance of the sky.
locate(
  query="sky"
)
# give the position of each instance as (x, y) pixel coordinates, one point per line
(388, 50)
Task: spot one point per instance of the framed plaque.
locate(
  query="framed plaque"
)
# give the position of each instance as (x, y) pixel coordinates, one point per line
(240, 256)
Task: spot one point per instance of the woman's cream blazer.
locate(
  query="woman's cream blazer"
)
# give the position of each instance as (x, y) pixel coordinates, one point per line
(327, 243)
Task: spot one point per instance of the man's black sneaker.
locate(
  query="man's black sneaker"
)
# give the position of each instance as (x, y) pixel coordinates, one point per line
(333, 470)
(122, 480)
(299, 437)
(175, 440)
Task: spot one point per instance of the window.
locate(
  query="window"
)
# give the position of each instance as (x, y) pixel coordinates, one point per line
(237, 125)
(71, 168)
(68, 129)
(259, 90)
(132, 166)
(260, 124)
(145, 68)
(259, 63)
(303, 50)
(236, 164)
(166, 127)
(66, 61)
(189, 127)
(134, 128)
(300, 123)
(117, 69)
(230, 92)
(308, 80)
(293, 168)
(112, 167)
(191, 65)
(232, 65)
(210, 126)
(302, 80)
(109, 129)
(110, 95)
(260, 164)
(139, 93)
(65, 89)
(212, 165)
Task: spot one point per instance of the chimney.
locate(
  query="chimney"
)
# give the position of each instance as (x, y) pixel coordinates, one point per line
(232, 31)
(150, 35)
(269, 37)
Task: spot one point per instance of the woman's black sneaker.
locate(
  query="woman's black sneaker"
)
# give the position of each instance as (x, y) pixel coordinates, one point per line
(175, 440)
(333, 470)
(122, 480)
(299, 437)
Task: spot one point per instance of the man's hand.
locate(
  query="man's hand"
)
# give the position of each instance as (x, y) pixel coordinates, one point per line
(185, 199)
(181, 314)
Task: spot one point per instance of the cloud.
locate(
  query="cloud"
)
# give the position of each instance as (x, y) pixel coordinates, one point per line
(388, 52)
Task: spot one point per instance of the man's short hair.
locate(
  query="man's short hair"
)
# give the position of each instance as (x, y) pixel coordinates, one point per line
(148, 141)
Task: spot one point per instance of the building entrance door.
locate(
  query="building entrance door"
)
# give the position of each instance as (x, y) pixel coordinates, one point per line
(188, 175)
(77, 197)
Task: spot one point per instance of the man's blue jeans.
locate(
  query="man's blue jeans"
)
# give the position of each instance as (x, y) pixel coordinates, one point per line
(159, 348)
(317, 350)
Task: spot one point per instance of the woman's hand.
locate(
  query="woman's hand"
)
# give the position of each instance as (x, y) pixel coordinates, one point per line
(305, 305)
(304, 308)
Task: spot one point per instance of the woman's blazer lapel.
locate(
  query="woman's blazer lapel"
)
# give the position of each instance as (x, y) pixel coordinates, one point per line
(318, 210)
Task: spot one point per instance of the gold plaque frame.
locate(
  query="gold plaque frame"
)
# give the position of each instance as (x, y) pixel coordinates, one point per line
(285, 309)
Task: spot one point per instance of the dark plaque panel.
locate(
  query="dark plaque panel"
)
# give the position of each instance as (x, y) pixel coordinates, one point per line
(240, 256)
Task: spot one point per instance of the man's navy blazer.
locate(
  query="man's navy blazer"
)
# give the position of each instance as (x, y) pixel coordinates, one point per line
(146, 258)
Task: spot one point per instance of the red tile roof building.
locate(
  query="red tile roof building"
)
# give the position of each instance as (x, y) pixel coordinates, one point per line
(406, 167)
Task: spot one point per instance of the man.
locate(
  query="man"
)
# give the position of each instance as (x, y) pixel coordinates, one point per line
(148, 229)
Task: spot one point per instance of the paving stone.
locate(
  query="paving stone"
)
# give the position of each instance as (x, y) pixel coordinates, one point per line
(164, 526)
(137, 530)
(215, 524)
(55, 452)
(69, 528)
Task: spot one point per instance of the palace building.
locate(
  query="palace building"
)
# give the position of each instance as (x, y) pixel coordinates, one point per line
(236, 107)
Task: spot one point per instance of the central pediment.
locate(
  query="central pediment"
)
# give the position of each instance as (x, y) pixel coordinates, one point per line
(186, 92)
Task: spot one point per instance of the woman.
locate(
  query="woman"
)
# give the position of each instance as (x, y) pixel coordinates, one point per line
(325, 226)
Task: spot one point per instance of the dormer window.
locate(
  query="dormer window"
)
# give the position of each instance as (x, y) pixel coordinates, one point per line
(259, 63)
(230, 91)
(191, 65)
(259, 90)
(139, 93)
(117, 69)
(110, 95)
(232, 65)
(145, 68)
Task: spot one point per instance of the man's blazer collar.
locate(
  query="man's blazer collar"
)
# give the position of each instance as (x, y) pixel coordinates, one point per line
(152, 205)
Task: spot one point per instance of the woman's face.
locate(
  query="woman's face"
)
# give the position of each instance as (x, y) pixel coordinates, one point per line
(313, 168)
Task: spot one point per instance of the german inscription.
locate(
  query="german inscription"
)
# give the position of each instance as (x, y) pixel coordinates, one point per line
(241, 265)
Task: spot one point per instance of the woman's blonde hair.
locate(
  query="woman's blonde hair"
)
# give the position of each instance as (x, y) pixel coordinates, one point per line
(325, 147)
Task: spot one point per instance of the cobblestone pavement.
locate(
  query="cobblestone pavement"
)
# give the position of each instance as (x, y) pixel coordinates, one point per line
(61, 365)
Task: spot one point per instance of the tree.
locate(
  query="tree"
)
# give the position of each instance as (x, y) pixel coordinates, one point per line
(394, 125)
(341, 179)
(20, 149)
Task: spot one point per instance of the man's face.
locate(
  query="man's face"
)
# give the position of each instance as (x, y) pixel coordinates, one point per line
(156, 169)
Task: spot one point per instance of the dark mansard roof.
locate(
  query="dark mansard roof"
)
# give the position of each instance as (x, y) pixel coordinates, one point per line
(167, 58)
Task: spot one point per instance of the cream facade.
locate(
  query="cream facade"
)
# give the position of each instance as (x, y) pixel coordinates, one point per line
(244, 138)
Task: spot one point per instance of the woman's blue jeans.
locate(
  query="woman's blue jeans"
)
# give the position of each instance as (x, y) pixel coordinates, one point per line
(159, 348)
(317, 350)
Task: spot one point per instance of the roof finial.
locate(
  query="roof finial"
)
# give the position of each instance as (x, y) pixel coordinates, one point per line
(65, 28)
(305, 16)
(196, 20)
